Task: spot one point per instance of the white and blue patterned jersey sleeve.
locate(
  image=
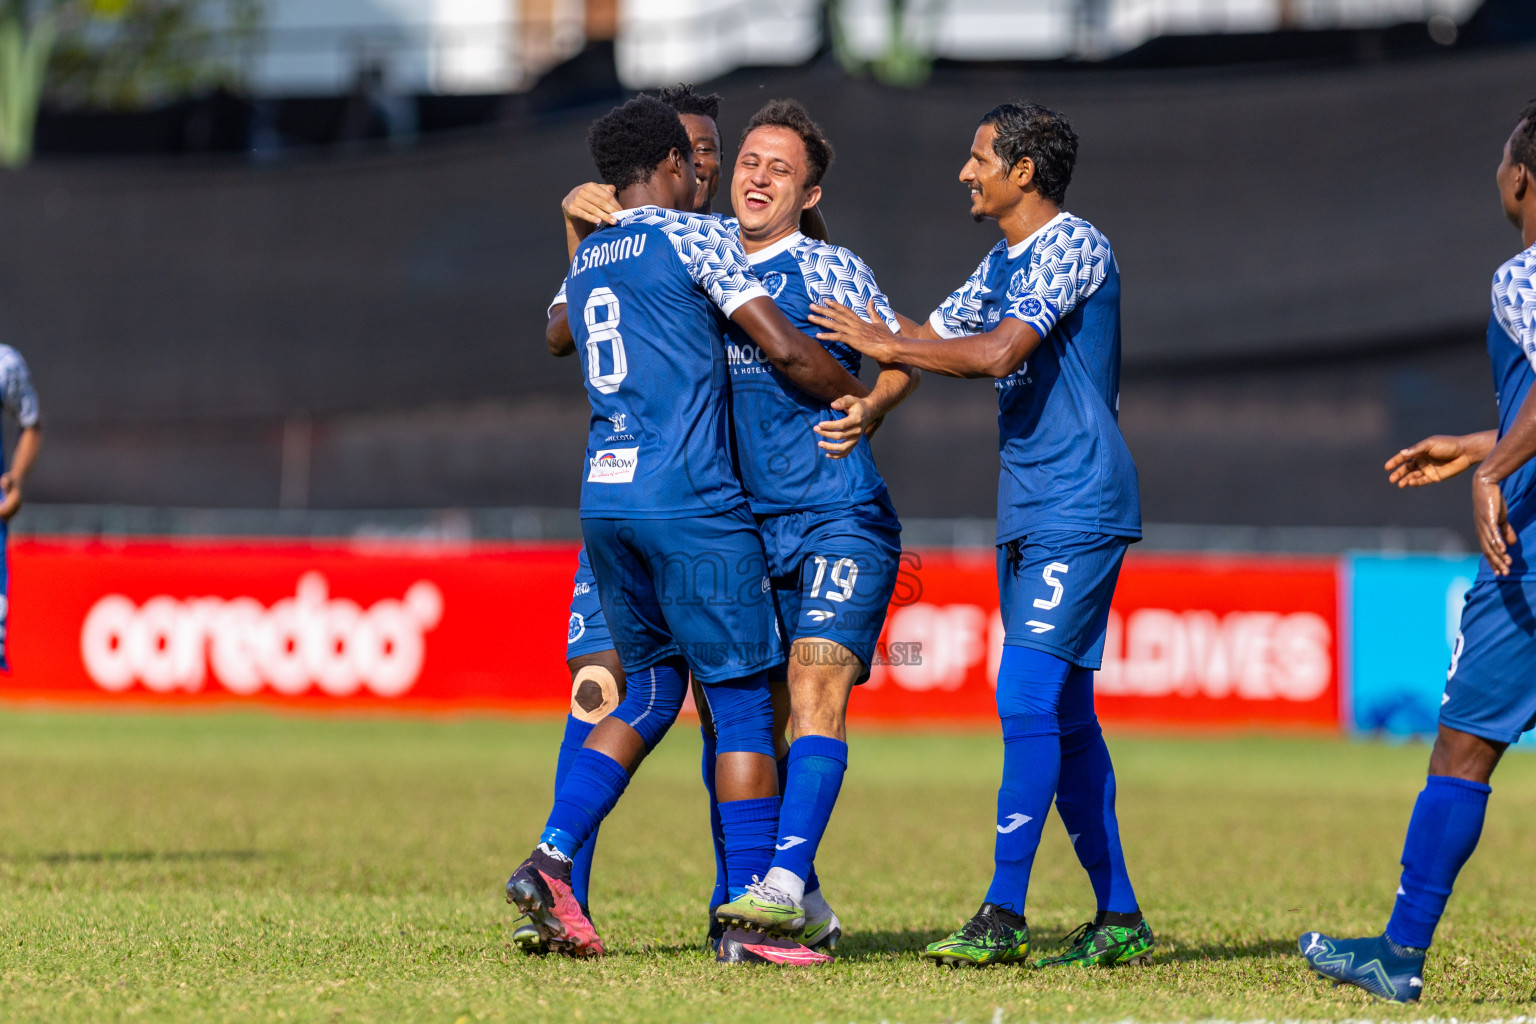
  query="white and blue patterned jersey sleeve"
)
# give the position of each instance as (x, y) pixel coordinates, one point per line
(1068, 263)
(960, 314)
(16, 391)
(712, 255)
(559, 300)
(1514, 301)
(831, 271)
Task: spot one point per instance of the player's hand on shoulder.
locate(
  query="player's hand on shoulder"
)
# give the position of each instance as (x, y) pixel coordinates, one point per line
(1431, 461)
(839, 437)
(10, 496)
(591, 204)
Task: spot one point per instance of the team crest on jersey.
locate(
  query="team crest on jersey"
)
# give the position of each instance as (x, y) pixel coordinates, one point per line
(613, 466)
(577, 628)
(618, 420)
(1032, 306)
(773, 283)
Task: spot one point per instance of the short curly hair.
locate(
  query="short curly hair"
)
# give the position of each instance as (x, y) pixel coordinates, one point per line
(1522, 144)
(791, 115)
(684, 100)
(1042, 135)
(628, 142)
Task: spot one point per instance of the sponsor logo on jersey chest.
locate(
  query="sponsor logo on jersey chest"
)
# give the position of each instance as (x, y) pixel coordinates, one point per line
(613, 466)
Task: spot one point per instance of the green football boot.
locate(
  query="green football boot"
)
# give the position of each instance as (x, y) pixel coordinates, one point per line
(822, 928)
(995, 935)
(765, 907)
(527, 939)
(1096, 944)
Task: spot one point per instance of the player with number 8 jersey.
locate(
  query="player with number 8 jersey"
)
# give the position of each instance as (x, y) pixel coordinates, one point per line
(677, 557)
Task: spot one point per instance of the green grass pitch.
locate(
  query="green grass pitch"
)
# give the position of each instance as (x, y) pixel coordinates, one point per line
(220, 867)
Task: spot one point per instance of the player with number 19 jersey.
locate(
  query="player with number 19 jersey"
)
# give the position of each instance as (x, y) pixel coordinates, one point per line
(832, 537)
(1067, 496)
(648, 300)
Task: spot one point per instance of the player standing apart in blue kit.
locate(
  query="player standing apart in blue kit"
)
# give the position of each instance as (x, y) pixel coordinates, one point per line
(677, 557)
(18, 397)
(1041, 315)
(1490, 698)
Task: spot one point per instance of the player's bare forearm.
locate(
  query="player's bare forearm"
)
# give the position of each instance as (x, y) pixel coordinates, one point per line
(994, 353)
(557, 333)
(1515, 448)
(808, 365)
(895, 382)
(27, 445)
(1478, 446)
(914, 328)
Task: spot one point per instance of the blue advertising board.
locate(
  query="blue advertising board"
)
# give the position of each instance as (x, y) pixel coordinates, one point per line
(1405, 612)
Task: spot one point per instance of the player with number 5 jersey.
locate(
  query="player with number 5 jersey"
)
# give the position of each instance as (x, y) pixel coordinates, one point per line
(1041, 317)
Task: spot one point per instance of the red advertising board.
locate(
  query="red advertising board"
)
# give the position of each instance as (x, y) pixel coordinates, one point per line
(1192, 641)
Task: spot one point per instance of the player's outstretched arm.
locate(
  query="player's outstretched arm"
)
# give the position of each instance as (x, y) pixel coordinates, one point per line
(994, 353)
(1439, 458)
(557, 333)
(1489, 513)
(805, 363)
(586, 207)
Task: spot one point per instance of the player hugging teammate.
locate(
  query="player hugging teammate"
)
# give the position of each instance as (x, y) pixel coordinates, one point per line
(665, 513)
(1040, 316)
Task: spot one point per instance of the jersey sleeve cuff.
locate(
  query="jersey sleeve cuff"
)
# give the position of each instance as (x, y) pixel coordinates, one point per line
(741, 298)
(936, 322)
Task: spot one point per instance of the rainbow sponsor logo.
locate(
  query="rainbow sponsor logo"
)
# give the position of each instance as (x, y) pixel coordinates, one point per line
(613, 466)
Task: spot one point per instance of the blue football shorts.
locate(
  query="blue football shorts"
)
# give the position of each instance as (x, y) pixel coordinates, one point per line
(696, 587)
(587, 632)
(1055, 588)
(1490, 690)
(833, 573)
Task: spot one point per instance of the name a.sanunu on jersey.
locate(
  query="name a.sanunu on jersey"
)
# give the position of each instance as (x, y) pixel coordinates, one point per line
(611, 251)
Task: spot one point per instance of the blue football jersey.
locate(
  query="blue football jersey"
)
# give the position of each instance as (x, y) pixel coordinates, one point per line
(1064, 461)
(647, 301)
(1512, 350)
(781, 465)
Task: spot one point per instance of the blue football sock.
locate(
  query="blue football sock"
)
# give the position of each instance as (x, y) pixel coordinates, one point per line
(576, 733)
(1085, 797)
(1442, 833)
(812, 883)
(815, 774)
(749, 827)
(716, 833)
(591, 788)
(1031, 764)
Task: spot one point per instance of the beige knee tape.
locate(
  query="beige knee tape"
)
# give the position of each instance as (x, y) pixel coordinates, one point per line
(594, 694)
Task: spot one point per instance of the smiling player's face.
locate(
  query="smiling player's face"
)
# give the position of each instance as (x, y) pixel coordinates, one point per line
(768, 188)
(704, 136)
(994, 192)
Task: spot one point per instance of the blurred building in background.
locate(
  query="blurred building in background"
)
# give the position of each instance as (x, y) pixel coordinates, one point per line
(312, 296)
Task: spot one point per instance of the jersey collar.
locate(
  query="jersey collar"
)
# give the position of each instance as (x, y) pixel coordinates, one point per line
(1015, 251)
(781, 246)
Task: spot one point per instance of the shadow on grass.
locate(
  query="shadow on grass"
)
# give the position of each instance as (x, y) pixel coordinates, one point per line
(911, 942)
(137, 856)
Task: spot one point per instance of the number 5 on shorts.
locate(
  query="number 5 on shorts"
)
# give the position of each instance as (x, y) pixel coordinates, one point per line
(1057, 587)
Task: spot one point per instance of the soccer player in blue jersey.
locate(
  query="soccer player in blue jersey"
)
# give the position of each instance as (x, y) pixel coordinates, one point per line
(679, 564)
(597, 677)
(815, 504)
(1041, 316)
(18, 397)
(1489, 697)
(833, 539)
